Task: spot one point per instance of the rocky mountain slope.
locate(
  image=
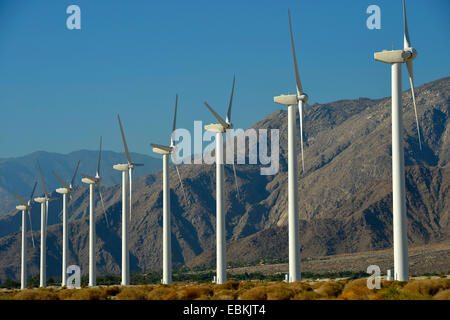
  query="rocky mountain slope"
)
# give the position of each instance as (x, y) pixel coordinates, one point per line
(344, 193)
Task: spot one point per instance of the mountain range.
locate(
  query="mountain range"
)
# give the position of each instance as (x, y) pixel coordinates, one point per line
(20, 173)
(345, 196)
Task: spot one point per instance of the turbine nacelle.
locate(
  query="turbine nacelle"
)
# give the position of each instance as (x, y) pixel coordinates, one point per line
(160, 149)
(64, 190)
(217, 127)
(290, 99)
(40, 199)
(22, 207)
(90, 180)
(396, 56)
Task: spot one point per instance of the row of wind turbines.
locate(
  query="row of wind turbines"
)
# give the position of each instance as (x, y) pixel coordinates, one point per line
(401, 270)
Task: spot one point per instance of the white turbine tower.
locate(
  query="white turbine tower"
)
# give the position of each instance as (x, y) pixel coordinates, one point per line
(396, 58)
(25, 207)
(165, 151)
(125, 168)
(292, 101)
(44, 201)
(93, 181)
(67, 189)
(219, 129)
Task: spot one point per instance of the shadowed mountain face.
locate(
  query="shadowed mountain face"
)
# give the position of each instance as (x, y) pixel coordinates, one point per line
(345, 195)
(19, 174)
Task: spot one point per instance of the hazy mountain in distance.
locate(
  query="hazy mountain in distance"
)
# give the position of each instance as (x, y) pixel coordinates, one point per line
(19, 174)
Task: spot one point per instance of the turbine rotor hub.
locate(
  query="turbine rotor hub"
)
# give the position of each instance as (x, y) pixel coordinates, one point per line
(409, 54)
(303, 97)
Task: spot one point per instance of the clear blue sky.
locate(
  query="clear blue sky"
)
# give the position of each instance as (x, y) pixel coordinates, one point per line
(61, 89)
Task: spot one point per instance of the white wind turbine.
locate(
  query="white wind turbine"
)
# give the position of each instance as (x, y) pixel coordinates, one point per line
(219, 129)
(25, 207)
(396, 58)
(292, 101)
(93, 181)
(67, 189)
(44, 201)
(125, 168)
(165, 151)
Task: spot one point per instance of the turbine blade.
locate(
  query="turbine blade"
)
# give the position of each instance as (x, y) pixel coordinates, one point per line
(223, 123)
(300, 112)
(103, 205)
(174, 121)
(130, 177)
(228, 119)
(32, 192)
(20, 199)
(42, 178)
(181, 184)
(297, 75)
(99, 157)
(124, 141)
(46, 214)
(31, 227)
(236, 184)
(74, 174)
(60, 180)
(406, 41)
(409, 65)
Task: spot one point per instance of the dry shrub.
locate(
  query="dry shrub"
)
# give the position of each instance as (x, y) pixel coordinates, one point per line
(88, 294)
(36, 294)
(442, 295)
(225, 294)
(426, 287)
(230, 285)
(112, 291)
(162, 293)
(195, 292)
(306, 295)
(279, 292)
(246, 285)
(132, 293)
(256, 293)
(357, 290)
(330, 289)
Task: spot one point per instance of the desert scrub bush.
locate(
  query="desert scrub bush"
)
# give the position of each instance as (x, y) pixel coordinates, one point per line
(162, 292)
(256, 293)
(307, 295)
(133, 293)
(230, 284)
(279, 292)
(36, 294)
(442, 295)
(86, 294)
(426, 287)
(195, 292)
(330, 289)
(357, 290)
(245, 285)
(225, 294)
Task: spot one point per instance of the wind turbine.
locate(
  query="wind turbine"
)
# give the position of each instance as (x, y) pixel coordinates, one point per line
(25, 207)
(292, 101)
(93, 181)
(167, 245)
(44, 201)
(67, 189)
(125, 168)
(219, 129)
(396, 58)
